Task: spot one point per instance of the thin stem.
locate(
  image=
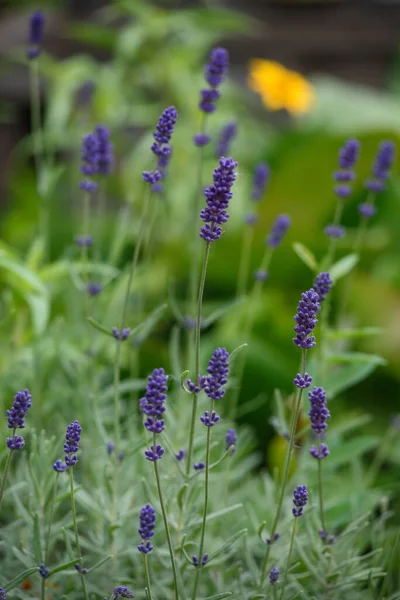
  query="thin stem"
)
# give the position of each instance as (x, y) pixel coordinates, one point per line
(320, 491)
(6, 468)
(288, 558)
(167, 532)
(333, 240)
(84, 248)
(295, 417)
(247, 242)
(252, 302)
(197, 355)
(53, 499)
(193, 278)
(78, 547)
(206, 493)
(146, 572)
(43, 589)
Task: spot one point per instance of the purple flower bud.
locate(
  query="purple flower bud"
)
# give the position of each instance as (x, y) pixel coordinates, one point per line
(71, 444)
(278, 231)
(218, 370)
(217, 67)
(226, 136)
(17, 414)
(94, 289)
(318, 413)
(151, 176)
(15, 443)
(348, 154)
(36, 28)
(320, 453)
(147, 520)
(195, 561)
(302, 382)
(261, 275)
(180, 455)
(84, 241)
(384, 160)
(204, 560)
(43, 571)
(300, 499)
(210, 420)
(201, 139)
(274, 575)
(155, 453)
(343, 191)
(250, 219)
(105, 150)
(335, 231)
(153, 405)
(3, 595)
(59, 466)
(123, 592)
(375, 186)
(230, 440)
(121, 336)
(260, 181)
(217, 199)
(199, 466)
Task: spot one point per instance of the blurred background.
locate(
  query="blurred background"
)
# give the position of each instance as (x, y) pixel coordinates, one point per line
(120, 63)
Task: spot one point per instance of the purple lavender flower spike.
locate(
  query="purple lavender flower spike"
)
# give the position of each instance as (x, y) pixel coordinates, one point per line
(322, 285)
(151, 176)
(84, 93)
(306, 319)
(36, 29)
(90, 160)
(348, 156)
(335, 231)
(155, 453)
(226, 136)
(260, 181)
(3, 595)
(276, 537)
(217, 67)
(230, 440)
(17, 414)
(217, 199)
(122, 592)
(147, 520)
(274, 575)
(161, 146)
(195, 561)
(153, 405)
(121, 336)
(302, 382)
(319, 453)
(218, 370)
(71, 444)
(201, 139)
(180, 455)
(105, 150)
(261, 275)
(84, 241)
(278, 231)
(209, 420)
(318, 413)
(380, 171)
(300, 499)
(59, 466)
(199, 466)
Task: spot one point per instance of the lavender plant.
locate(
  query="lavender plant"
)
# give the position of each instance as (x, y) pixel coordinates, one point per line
(213, 522)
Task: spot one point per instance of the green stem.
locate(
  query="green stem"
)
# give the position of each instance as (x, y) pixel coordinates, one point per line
(84, 248)
(78, 547)
(6, 468)
(295, 417)
(252, 302)
(288, 558)
(146, 572)
(167, 532)
(194, 268)
(197, 355)
(206, 493)
(320, 491)
(53, 499)
(43, 589)
(245, 255)
(333, 240)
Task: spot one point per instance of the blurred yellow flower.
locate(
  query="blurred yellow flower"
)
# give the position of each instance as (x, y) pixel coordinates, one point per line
(280, 88)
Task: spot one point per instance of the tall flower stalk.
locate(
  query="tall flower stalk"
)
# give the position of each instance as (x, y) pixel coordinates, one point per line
(300, 499)
(214, 216)
(273, 241)
(306, 320)
(16, 420)
(71, 447)
(212, 384)
(153, 406)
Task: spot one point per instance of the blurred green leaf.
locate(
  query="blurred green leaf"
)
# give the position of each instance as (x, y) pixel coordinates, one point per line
(357, 358)
(306, 256)
(345, 334)
(343, 266)
(347, 376)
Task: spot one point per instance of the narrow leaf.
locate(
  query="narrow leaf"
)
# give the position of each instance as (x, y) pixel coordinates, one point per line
(19, 578)
(100, 327)
(181, 495)
(65, 566)
(219, 596)
(261, 529)
(101, 562)
(235, 352)
(214, 316)
(343, 266)
(306, 256)
(142, 331)
(228, 544)
(357, 358)
(345, 334)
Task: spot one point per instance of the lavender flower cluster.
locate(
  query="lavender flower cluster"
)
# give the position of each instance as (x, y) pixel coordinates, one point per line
(97, 156)
(71, 447)
(161, 147)
(153, 405)
(217, 199)
(146, 530)
(16, 418)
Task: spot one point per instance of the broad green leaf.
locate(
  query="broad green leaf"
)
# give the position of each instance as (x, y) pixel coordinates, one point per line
(345, 334)
(25, 277)
(228, 544)
(343, 266)
(19, 578)
(347, 376)
(35, 254)
(357, 358)
(64, 566)
(306, 256)
(39, 305)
